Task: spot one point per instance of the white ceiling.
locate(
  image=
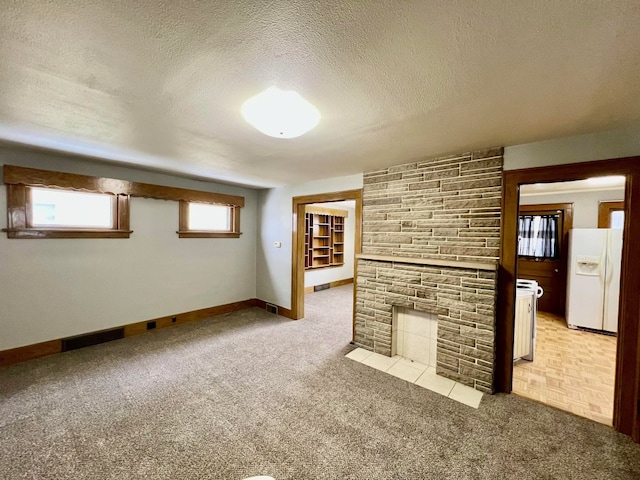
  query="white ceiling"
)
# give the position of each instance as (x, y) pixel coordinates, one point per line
(592, 185)
(160, 84)
(341, 204)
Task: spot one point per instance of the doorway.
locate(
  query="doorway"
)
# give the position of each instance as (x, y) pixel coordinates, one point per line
(298, 242)
(573, 359)
(626, 418)
(329, 241)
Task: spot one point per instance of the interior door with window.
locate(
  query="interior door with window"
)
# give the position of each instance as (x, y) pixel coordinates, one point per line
(542, 251)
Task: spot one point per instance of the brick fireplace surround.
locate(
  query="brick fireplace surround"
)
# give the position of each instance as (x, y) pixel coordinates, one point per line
(431, 237)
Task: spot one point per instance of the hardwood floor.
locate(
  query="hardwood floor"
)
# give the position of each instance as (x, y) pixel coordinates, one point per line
(572, 370)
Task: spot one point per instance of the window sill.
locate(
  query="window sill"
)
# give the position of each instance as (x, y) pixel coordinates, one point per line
(206, 234)
(35, 233)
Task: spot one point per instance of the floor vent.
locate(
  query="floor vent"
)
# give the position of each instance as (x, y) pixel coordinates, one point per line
(271, 308)
(324, 286)
(80, 341)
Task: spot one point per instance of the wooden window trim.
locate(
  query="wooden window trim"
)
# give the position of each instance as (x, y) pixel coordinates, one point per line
(13, 175)
(18, 179)
(19, 222)
(604, 212)
(183, 224)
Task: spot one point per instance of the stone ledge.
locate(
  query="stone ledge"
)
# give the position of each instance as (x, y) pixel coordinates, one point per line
(491, 266)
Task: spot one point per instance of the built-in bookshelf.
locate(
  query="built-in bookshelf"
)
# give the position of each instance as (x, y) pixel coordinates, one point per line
(337, 240)
(323, 237)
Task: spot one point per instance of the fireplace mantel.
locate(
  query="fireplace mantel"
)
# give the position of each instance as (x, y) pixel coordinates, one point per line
(490, 266)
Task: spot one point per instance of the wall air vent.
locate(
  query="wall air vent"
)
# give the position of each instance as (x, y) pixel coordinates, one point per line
(80, 341)
(271, 308)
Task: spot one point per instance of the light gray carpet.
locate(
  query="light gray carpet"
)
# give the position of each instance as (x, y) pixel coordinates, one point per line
(252, 393)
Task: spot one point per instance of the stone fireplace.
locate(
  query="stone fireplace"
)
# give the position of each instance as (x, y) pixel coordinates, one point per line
(431, 236)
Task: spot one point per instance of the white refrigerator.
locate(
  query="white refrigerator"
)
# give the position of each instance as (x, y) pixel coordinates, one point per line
(593, 284)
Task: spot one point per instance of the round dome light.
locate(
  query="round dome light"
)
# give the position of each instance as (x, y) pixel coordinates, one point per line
(280, 113)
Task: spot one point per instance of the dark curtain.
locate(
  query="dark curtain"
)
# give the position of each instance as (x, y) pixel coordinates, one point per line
(538, 236)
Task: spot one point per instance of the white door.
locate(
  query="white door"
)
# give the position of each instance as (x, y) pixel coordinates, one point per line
(612, 281)
(587, 255)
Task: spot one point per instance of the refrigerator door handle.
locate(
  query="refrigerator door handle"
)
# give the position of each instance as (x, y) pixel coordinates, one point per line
(609, 274)
(609, 277)
(602, 303)
(603, 263)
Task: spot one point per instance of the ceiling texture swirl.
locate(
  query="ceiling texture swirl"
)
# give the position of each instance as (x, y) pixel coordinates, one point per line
(160, 84)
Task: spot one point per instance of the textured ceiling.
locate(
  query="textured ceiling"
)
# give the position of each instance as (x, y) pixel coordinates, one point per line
(160, 84)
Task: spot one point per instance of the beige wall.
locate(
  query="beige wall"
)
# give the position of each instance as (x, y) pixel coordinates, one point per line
(56, 288)
(618, 143)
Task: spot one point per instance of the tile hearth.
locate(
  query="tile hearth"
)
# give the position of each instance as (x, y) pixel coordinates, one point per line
(419, 374)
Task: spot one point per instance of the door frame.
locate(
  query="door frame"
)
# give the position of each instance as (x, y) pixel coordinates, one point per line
(626, 415)
(567, 224)
(297, 244)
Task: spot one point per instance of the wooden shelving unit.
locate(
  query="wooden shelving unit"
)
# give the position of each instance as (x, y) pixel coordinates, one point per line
(337, 240)
(308, 253)
(324, 238)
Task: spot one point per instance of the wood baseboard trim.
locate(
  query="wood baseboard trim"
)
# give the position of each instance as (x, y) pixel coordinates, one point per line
(37, 350)
(28, 352)
(186, 317)
(337, 283)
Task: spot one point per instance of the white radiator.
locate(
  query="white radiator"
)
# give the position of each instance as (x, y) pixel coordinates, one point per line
(524, 328)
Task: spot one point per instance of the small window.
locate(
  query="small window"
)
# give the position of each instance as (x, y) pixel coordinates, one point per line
(202, 220)
(538, 236)
(62, 208)
(37, 212)
(215, 218)
(616, 219)
(46, 204)
(611, 215)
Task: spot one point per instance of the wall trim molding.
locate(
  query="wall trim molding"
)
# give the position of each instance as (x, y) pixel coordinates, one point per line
(50, 347)
(14, 175)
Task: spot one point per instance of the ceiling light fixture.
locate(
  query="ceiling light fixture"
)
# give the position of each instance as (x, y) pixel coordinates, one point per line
(607, 181)
(280, 113)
